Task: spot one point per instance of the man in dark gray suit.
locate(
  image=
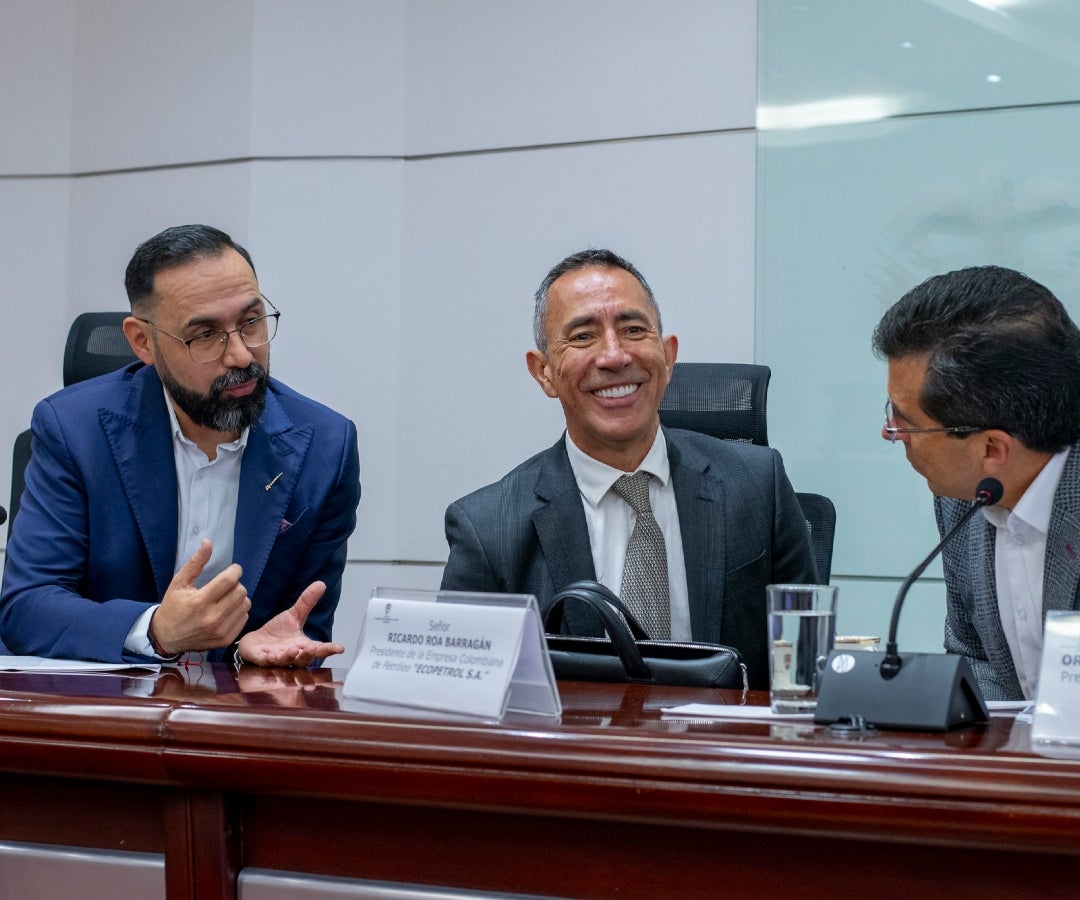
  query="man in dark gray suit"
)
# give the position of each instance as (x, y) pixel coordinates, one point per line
(984, 380)
(730, 521)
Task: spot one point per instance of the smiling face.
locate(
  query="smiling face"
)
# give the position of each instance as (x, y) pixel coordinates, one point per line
(606, 362)
(214, 401)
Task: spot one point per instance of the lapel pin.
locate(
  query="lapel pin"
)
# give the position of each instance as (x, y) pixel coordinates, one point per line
(1069, 549)
(275, 478)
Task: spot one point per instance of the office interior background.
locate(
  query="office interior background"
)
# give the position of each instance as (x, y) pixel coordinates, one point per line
(404, 172)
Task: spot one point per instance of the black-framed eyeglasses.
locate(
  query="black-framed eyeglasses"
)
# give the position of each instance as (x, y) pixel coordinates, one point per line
(209, 346)
(894, 431)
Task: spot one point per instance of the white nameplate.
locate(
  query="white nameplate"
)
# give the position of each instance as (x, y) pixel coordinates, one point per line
(1057, 706)
(477, 654)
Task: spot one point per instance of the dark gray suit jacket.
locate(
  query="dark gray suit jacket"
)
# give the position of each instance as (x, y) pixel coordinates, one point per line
(972, 620)
(742, 528)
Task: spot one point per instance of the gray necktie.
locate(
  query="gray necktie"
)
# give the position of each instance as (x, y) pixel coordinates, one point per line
(645, 575)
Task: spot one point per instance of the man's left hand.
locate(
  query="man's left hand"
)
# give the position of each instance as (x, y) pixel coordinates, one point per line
(282, 642)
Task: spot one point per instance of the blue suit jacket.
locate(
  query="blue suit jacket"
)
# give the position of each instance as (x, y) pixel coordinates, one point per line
(742, 528)
(95, 539)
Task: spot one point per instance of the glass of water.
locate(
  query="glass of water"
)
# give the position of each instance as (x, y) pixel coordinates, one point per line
(801, 630)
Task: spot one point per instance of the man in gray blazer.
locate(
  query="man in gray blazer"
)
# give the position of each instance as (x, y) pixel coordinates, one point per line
(730, 521)
(984, 380)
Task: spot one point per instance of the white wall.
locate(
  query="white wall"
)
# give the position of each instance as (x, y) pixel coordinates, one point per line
(403, 172)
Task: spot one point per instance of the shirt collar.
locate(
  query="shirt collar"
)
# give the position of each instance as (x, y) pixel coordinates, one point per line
(1037, 502)
(595, 478)
(179, 437)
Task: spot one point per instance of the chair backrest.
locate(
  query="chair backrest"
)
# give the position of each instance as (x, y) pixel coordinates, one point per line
(728, 401)
(725, 400)
(95, 346)
(820, 515)
(20, 456)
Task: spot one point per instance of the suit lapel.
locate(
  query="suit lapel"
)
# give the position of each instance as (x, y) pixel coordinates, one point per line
(1061, 576)
(1061, 572)
(559, 519)
(982, 549)
(138, 436)
(141, 444)
(700, 501)
(273, 460)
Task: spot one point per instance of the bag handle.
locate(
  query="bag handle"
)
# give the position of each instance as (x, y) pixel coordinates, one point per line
(619, 623)
(553, 617)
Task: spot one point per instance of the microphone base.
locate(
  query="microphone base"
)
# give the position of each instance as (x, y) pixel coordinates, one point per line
(932, 692)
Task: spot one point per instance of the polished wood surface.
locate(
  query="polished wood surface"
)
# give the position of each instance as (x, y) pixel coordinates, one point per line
(276, 769)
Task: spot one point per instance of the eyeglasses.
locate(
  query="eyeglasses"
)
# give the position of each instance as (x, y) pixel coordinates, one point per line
(894, 431)
(209, 346)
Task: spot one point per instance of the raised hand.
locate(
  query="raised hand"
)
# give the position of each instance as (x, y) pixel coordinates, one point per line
(193, 618)
(282, 642)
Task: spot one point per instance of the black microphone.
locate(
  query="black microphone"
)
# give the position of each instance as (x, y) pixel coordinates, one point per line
(988, 493)
(3, 515)
(922, 691)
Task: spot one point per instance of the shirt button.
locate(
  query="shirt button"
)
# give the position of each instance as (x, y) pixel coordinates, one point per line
(1022, 615)
(1018, 538)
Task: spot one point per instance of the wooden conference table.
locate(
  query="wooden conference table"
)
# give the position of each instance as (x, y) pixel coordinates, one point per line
(275, 770)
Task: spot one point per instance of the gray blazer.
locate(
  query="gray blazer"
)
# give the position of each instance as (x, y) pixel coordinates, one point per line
(741, 524)
(972, 621)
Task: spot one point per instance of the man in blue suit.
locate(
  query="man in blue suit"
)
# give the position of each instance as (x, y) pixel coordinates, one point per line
(730, 521)
(187, 502)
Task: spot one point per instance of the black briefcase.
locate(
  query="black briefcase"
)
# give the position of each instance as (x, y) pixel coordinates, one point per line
(627, 654)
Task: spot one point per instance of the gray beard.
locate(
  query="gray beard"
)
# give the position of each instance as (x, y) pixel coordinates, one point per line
(231, 414)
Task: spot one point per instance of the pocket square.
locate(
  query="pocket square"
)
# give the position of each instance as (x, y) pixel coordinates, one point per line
(286, 524)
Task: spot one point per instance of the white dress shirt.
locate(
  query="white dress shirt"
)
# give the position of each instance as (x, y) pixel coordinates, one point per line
(1019, 566)
(208, 491)
(611, 519)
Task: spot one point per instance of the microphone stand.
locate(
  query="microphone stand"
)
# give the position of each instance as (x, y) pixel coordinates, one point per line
(985, 496)
(920, 691)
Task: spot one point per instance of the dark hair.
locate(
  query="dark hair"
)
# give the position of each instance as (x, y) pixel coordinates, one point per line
(172, 247)
(583, 259)
(1001, 352)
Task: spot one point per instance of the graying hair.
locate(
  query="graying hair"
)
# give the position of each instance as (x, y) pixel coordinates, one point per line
(583, 259)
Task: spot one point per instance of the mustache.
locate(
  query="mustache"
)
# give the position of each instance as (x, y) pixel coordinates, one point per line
(236, 377)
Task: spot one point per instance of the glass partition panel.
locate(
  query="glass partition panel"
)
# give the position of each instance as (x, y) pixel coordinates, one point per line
(887, 153)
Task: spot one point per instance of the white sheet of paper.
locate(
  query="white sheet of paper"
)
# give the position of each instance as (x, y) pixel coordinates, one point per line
(720, 711)
(765, 713)
(45, 664)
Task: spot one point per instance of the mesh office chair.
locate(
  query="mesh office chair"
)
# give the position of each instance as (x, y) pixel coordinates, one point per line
(725, 400)
(820, 515)
(95, 346)
(728, 401)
